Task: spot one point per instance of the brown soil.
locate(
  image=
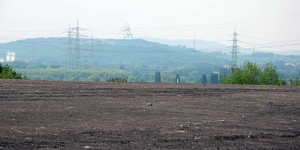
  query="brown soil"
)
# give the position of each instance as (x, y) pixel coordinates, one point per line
(79, 115)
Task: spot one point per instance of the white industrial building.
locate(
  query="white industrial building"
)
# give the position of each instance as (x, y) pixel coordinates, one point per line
(10, 56)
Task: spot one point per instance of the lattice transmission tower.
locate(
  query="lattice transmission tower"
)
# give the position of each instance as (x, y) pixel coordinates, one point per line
(194, 43)
(92, 54)
(74, 47)
(33, 52)
(70, 57)
(234, 49)
(127, 32)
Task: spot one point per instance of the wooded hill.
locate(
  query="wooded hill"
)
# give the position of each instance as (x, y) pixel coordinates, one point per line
(138, 57)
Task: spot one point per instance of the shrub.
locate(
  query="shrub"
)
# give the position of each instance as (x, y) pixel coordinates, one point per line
(296, 82)
(6, 72)
(252, 74)
(270, 76)
(204, 79)
(117, 79)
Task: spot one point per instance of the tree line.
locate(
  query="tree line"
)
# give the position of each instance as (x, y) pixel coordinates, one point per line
(250, 73)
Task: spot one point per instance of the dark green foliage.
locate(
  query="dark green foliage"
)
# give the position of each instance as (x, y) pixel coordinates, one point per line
(157, 77)
(214, 78)
(140, 59)
(55, 66)
(270, 76)
(72, 75)
(252, 74)
(295, 82)
(118, 79)
(222, 78)
(177, 78)
(122, 67)
(6, 72)
(249, 74)
(204, 79)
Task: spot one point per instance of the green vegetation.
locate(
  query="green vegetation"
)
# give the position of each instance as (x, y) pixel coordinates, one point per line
(117, 79)
(72, 75)
(177, 78)
(252, 74)
(295, 82)
(139, 60)
(270, 76)
(157, 77)
(6, 72)
(214, 78)
(204, 79)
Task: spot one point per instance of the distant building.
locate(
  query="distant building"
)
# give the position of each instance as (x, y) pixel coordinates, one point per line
(293, 65)
(226, 66)
(10, 56)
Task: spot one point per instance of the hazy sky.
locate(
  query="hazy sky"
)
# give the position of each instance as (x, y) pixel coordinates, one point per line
(257, 21)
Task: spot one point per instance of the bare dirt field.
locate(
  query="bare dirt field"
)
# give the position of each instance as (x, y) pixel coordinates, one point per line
(81, 115)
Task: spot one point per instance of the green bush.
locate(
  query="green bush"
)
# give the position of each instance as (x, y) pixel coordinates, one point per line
(118, 79)
(6, 72)
(204, 79)
(214, 78)
(296, 82)
(270, 76)
(252, 74)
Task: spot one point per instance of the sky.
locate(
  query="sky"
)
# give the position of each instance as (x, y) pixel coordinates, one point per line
(259, 23)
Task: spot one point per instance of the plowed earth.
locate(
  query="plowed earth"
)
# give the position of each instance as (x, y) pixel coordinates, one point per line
(81, 115)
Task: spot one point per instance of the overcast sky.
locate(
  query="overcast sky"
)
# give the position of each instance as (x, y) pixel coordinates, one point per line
(257, 21)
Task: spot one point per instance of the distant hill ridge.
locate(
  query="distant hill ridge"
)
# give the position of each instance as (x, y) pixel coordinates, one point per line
(111, 53)
(104, 51)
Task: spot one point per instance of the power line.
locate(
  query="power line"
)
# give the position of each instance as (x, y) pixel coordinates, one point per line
(283, 45)
(203, 25)
(216, 48)
(30, 31)
(29, 44)
(251, 37)
(270, 43)
(208, 25)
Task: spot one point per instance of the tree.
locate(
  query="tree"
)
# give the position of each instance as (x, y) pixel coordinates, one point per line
(204, 79)
(122, 67)
(295, 82)
(177, 78)
(157, 77)
(7, 72)
(252, 74)
(249, 74)
(270, 76)
(214, 78)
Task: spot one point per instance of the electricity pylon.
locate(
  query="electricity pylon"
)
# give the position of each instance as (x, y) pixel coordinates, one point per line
(194, 43)
(77, 46)
(74, 47)
(70, 57)
(127, 32)
(234, 49)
